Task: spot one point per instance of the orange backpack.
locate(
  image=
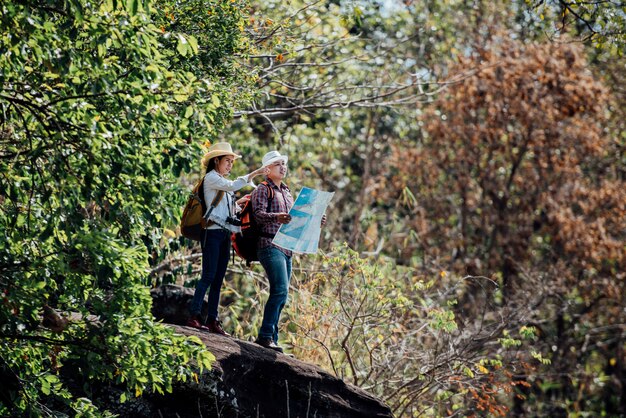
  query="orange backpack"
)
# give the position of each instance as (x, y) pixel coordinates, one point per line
(245, 242)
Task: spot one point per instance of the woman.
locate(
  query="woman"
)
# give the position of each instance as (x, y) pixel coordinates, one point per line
(217, 162)
(269, 215)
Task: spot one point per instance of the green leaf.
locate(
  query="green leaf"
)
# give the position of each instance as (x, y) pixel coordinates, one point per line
(182, 46)
(195, 339)
(193, 42)
(45, 386)
(132, 6)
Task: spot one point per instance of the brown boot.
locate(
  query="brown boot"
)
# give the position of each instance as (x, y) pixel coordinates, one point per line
(195, 322)
(269, 343)
(215, 327)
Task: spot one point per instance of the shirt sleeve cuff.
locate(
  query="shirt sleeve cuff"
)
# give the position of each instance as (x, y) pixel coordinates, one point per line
(247, 178)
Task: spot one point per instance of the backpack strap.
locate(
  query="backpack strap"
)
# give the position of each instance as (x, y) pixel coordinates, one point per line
(270, 197)
(198, 194)
(216, 200)
(218, 197)
(270, 194)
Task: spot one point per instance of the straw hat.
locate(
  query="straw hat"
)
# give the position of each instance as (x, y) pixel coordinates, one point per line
(217, 150)
(273, 157)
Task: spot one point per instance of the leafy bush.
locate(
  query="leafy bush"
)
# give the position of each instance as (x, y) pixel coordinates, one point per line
(98, 116)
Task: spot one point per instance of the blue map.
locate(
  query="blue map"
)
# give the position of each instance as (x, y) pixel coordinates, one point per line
(302, 234)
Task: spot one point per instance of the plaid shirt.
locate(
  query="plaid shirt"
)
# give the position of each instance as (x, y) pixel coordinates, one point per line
(267, 218)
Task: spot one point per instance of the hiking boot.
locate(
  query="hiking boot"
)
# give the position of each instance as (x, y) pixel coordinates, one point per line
(269, 343)
(194, 322)
(215, 327)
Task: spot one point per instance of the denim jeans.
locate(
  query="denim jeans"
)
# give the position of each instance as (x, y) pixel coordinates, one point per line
(215, 253)
(278, 268)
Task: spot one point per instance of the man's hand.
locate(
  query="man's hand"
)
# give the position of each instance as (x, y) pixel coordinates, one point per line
(323, 219)
(283, 218)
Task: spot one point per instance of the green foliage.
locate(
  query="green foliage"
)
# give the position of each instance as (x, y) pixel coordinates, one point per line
(210, 40)
(602, 22)
(98, 116)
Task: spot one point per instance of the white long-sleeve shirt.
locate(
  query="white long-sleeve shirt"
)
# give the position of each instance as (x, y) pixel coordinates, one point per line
(213, 182)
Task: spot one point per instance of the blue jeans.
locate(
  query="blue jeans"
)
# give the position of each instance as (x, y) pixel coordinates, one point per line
(215, 253)
(278, 268)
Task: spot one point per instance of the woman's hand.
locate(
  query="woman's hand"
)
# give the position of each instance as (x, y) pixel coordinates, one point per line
(283, 218)
(259, 171)
(243, 200)
(323, 219)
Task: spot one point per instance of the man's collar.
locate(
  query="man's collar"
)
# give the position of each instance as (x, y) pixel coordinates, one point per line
(271, 183)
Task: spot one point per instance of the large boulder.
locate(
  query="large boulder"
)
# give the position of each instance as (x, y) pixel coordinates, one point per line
(170, 303)
(248, 380)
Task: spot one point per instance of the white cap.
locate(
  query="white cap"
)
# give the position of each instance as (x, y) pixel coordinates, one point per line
(272, 157)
